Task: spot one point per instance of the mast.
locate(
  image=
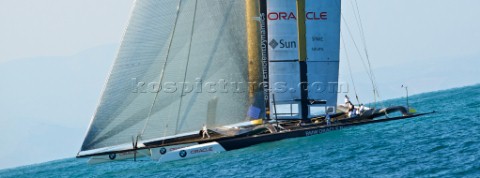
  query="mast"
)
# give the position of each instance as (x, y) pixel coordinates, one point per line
(257, 52)
(302, 59)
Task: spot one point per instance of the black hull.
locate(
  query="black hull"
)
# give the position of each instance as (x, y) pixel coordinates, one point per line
(242, 142)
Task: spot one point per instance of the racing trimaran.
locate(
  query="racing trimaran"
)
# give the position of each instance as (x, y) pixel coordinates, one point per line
(252, 71)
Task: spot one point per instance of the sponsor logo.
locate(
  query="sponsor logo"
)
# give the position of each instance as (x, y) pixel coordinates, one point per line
(163, 151)
(273, 43)
(264, 44)
(292, 16)
(317, 38)
(323, 130)
(183, 153)
(316, 15)
(202, 150)
(281, 16)
(177, 148)
(112, 156)
(283, 44)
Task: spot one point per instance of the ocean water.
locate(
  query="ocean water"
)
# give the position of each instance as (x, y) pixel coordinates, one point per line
(444, 144)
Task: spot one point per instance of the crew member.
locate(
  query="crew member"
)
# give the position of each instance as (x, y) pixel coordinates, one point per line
(361, 109)
(351, 108)
(205, 132)
(327, 118)
(347, 99)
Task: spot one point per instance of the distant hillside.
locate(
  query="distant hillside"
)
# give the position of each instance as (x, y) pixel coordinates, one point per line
(420, 77)
(46, 104)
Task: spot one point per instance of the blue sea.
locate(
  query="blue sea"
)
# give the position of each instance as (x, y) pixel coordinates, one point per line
(444, 144)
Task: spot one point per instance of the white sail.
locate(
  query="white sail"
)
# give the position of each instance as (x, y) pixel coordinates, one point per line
(283, 54)
(323, 49)
(217, 54)
(322, 21)
(170, 73)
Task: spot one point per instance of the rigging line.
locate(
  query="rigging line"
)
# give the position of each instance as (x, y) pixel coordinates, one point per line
(164, 66)
(360, 24)
(362, 32)
(358, 51)
(358, 20)
(363, 38)
(355, 14)
(186, 66)
(349, 67)
(355, 44)
(358, 17)
(367, 68)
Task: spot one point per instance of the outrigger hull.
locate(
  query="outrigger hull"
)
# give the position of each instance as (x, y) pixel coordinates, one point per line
(118, 156)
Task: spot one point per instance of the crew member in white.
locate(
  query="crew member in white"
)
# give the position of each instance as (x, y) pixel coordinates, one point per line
(361, 109)
(350, 107)
(205, 131)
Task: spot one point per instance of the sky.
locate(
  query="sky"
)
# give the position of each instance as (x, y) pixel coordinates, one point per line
(426, 45)
(55, 56)
(32, 28)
